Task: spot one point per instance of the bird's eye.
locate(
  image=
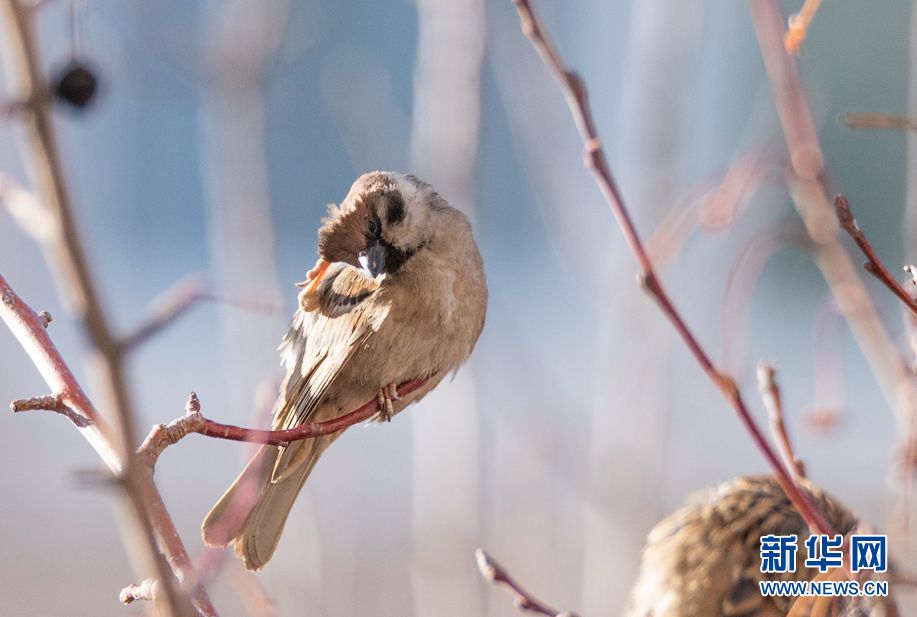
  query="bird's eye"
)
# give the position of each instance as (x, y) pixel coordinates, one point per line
(372, 227)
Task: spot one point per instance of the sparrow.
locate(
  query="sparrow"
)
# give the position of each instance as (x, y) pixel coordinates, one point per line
(704, 560)
(398, 293)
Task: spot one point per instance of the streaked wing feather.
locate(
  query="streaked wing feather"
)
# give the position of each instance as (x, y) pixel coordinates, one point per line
(327, 338)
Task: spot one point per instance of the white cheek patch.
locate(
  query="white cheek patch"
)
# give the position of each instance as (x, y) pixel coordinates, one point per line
(410, 231)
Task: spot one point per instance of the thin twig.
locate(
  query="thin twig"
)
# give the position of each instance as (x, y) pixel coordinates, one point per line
(178, 300)
(873, 264)
(798, 26)
(67, 256)
(27, 327)
(805, 179)
(48, 402)
(146, 590)
(859, 121)
(910, 320)
(523, 600)
(575, 91)
(770, 394)
(165, 435)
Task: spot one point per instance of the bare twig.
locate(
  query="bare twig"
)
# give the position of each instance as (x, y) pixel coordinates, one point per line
(910, 320)
(65, 251)
(178, 300)
(49, 402)
(165, 435)
(805, 179)
(873, 264)
(770, 394)
(29, 330)
(26, 326)
(741, 282)
(712, 205)
(859, 121)
(575, 91)
(524, 601)
(799, 26)
(146, 590)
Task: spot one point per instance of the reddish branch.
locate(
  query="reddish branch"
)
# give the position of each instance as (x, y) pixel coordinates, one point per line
(524, 601)
(858, 121)
(575, 91)
(770, 394)
(164, 435)
(873, 264)
(69, 399)
(49, 402)
(810, 196)
(65, 252)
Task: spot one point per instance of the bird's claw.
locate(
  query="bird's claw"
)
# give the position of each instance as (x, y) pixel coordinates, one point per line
(386, 396)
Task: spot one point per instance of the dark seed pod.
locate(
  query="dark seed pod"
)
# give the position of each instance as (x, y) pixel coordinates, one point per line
(75, 84)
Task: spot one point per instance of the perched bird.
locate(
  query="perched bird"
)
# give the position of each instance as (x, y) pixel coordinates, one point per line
(398, 293)
(704, 559)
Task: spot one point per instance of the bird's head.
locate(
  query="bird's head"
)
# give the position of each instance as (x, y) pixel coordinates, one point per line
(383, 222)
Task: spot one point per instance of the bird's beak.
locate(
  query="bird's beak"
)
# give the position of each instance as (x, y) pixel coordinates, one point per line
(373, 259)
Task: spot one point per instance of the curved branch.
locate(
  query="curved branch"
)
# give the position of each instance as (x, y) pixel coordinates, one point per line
(524, 601)
(178, 300)
(574, 90)
(28, 328)
(873, 264)
(165, 435)
(66, 253)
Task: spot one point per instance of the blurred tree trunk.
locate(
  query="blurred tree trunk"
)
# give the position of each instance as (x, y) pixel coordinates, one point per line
(445, 442)
(901, 516)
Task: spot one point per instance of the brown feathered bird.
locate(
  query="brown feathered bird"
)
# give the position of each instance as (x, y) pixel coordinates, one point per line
(704, 560)
(399, 293)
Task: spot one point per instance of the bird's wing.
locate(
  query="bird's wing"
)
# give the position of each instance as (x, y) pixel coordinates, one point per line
(319, 345)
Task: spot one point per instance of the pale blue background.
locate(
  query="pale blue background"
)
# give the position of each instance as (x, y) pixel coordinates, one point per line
(134, 166)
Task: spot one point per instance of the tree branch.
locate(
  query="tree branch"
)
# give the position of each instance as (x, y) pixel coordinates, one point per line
(575, 91)
(523, 600)
(868, 120)
(165, 435)
(29, 330)
(49, 402)
(873, 264)
(178, 300)
(67, 257)
(799, 26)
(770, 394)
(146, 590)
(805, 179)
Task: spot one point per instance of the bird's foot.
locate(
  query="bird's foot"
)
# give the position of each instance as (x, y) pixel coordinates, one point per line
(386, 396)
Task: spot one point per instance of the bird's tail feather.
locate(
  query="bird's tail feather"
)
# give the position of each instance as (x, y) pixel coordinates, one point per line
(252, 512)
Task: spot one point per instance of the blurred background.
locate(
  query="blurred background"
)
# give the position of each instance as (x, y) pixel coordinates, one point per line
(224, 128)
